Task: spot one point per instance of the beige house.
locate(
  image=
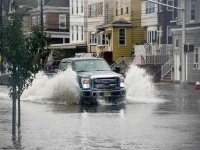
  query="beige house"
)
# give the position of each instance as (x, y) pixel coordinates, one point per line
(99, 12)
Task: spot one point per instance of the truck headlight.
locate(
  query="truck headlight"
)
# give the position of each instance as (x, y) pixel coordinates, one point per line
(85, 83)
(122, 82)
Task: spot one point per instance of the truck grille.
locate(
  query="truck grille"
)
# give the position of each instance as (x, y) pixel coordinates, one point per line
(106, 83)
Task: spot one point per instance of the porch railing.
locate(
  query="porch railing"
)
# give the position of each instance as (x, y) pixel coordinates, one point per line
(98, 54)
(166, 68)
(123, 63)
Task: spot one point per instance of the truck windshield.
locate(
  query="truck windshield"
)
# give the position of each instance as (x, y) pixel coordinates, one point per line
(91, 65)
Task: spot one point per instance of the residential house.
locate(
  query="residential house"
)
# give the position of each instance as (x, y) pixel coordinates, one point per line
(125, 30)
(78, 28)
(157, 19)
(99, 12)
(192, 10)
(55, 17)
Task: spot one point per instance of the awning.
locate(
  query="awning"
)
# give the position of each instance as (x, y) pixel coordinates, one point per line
(68, 45)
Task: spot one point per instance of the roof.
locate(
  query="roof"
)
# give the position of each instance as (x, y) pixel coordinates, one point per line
(116, 23)
(57, 3)
(81, 58)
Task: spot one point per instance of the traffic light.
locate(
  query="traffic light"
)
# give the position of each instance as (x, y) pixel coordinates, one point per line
(188, 48)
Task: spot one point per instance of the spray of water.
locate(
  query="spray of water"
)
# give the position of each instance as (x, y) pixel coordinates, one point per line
(140, 88)
(62, 88)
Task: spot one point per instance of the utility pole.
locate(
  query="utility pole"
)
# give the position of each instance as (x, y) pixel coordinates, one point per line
(183, 55)
(1, 28)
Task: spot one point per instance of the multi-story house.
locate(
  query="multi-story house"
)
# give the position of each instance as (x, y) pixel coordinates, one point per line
(157, 21)
(125, 30)
(78, 28)
(55, 17)
(99, 12)
(192, 32)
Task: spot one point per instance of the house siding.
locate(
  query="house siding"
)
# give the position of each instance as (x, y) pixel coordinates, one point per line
(192, 37)
(92, 22)
(136, 31)
(121, 50)
(78, 19)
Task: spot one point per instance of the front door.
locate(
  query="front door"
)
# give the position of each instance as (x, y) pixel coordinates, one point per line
(177, 67)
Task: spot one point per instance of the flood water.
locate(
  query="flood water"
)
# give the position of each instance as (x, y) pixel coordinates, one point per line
(153, 117)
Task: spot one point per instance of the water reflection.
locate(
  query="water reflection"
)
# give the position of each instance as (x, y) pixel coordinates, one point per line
(88, 108)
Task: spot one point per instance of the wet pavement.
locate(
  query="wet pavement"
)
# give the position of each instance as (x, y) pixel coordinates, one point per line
(168, 121)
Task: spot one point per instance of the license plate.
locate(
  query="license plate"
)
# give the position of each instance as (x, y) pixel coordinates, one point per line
(107, 94)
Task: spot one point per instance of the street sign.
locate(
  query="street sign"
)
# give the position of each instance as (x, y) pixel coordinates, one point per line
(188, 48)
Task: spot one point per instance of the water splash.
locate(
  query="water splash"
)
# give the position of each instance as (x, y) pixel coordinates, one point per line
(4, 93)
(140, 88)
(62, 88)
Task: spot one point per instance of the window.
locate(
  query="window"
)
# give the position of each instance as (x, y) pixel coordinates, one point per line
(150, 8)
(44, 19)
(160, 7)
(81, 6)
(82, 33)
(116, 8)
(121, 4)
(169, 35)
(122, 36)
(176, 43)
(93, 39)
(62, 21)
(77, 6)
(196, 58)
(101, 39)
(92, 10)
(151, 37)
(100, 9)
(72, 6)
(192, 9)
(72, 33)
(77, 33)
(127, 6)
(38, 17)
(34, 20)
(171, 3)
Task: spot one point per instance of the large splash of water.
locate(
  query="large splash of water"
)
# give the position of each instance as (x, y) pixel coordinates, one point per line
(140, 88)
(62, 87)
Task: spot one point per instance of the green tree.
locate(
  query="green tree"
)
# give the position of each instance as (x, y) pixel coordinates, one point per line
(24, 54)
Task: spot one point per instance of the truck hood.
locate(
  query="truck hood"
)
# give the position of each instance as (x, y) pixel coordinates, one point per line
(98, 74)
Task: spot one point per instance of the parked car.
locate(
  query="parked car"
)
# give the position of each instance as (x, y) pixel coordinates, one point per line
(95, 79)
(5, 77)
(51, 66)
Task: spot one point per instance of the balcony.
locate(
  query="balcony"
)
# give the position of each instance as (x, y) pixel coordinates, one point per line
(152, 54)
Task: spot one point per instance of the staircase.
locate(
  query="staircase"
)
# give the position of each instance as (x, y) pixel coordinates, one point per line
(99, 53)
(166, 71)
(123, 63)
(167, 77)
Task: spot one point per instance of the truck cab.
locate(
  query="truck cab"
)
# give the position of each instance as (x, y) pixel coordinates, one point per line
(95, 79)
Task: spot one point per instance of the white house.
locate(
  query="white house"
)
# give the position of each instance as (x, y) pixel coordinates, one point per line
(78, 21)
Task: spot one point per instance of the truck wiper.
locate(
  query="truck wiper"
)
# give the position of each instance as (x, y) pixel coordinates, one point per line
(99, 70)
(81, 71)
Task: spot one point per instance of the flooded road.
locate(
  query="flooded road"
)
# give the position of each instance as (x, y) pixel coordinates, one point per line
(153, 117)
(173, 123)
